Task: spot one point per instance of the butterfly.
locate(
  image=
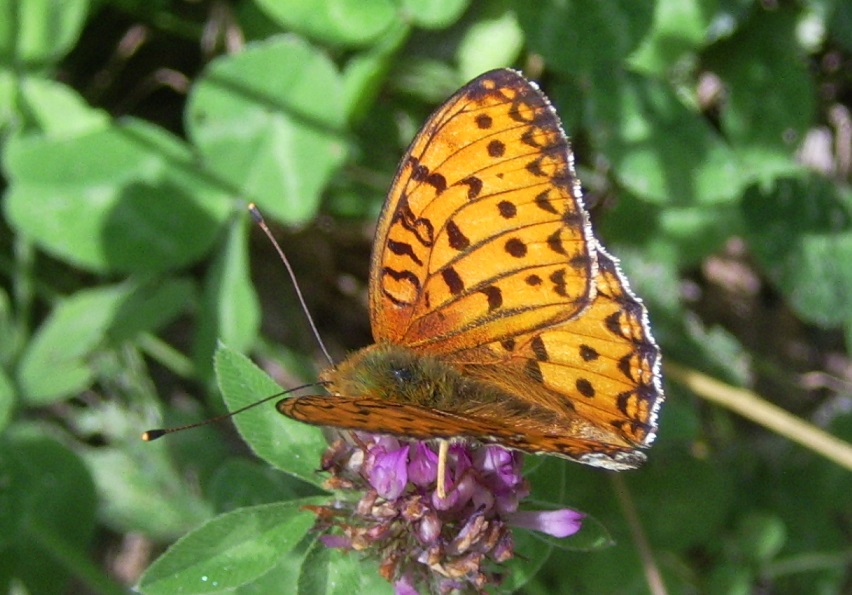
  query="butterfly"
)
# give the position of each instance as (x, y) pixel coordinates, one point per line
(497, 315)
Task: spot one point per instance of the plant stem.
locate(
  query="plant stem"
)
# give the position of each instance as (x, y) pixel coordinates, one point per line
(758, 410)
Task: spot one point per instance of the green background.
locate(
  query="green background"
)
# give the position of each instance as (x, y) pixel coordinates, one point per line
(713, 141)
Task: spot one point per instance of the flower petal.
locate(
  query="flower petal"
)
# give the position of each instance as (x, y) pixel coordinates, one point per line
(429, 528)
(405, 586)
(423, 468)
(559, 523)
(336, 541)
(388, 473)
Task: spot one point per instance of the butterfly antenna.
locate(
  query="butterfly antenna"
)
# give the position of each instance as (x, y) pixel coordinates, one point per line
(151, 435)
(258, 218)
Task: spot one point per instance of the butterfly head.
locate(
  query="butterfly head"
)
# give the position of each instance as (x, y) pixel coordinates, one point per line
(395, 374)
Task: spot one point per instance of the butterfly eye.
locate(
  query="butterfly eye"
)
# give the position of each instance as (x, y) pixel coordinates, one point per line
(402, 376)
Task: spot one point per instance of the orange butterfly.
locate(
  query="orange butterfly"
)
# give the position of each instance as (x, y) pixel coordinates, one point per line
(497, 314)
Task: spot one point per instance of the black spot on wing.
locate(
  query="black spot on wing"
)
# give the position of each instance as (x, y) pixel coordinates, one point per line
(534, 167)
(453, 280)
(496, 148)
(437, 181)
(542, 201)
(457, 239)
(613, 323)
(554, 242)
(400, 276)
(585, 388)
(474, 186)
(560, 286)
(529, 138)
(507, 209)
(421, 173)
(588, 354)
(539, 349)
(421, 227)
(494, 295)
(516, 248)
(403, 249)
(484, 121)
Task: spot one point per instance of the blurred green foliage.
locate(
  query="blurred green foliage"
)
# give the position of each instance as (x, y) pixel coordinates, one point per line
(713, 140)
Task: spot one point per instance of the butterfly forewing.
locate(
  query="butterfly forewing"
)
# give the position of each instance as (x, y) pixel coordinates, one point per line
(483, 235)
(378, 416)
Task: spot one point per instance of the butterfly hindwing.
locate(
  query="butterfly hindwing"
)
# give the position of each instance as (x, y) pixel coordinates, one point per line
(601, 367)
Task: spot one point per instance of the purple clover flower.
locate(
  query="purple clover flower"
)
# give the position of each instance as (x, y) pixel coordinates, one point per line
(558, 523)
(444, 544)
(387, 470)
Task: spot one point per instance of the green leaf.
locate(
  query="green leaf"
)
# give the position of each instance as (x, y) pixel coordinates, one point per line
(698, 231)
(337, 22)
(230, 311)
(428, 80)
(230, 550)
(584, 38)
(493, 40)
(769, 93)
(721, 352)
(8, 398)
(57, 362)
(676, 485)
(329, 571)
(839, 20)
(39, 32)
(661, 151)
(57, 110)
(365, 73)
(283, 573)
(531, 554)
(291, 446)
(761, 536)
(270, 121)
(801, 234)
(434, 14)
(9, 112)
(240, 482)
(729, 579)
(10, 333)
(47, 511)
(150, 307)
(847, 332)
(533, 549)
(141, 492)
(592, 536)
(679, 27)
(126, 198)
(547, 478)
(551, 491)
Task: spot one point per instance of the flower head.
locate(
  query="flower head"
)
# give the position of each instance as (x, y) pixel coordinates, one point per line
(445, 544)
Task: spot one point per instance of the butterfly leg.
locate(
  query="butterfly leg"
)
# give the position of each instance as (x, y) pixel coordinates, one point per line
(443, 451)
